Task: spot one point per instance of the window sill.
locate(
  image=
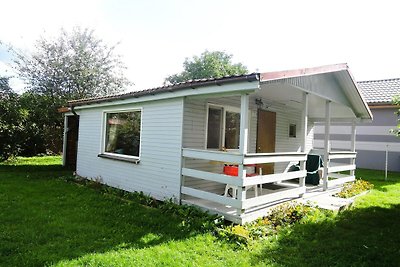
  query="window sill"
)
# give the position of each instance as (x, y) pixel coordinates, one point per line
(119, 158)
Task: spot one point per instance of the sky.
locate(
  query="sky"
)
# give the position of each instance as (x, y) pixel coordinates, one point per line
(154, 37)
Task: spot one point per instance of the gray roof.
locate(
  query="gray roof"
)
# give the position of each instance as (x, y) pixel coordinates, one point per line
(380, 92)
(168, 88)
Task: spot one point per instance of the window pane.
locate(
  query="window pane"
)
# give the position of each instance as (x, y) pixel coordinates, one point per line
(232, 130)
(292, 130)
(214, 127)
(123, 133)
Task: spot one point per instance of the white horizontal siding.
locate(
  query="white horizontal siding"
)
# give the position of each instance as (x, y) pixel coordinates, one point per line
(158, 172)
(360, 145)
(361, 130)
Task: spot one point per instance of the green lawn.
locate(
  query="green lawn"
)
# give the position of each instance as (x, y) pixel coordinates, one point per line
(48, 221)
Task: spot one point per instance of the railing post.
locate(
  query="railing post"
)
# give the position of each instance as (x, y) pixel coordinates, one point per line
(241, 191)
(302, 180)
(183, 165)
(326, 143)
(353, 146)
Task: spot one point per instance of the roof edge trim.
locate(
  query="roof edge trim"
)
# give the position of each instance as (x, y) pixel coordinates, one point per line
(277, 75)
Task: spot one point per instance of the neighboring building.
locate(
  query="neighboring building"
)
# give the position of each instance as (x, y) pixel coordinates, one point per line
(373, 138)
(182, 141)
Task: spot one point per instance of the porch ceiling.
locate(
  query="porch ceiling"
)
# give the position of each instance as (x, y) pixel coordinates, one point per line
(337, 86)
(292, 97)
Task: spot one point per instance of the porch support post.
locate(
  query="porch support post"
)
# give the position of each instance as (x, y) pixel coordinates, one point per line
(302, 181)
(244, 123)
(326, 143)
(244, 130)
(353, 145)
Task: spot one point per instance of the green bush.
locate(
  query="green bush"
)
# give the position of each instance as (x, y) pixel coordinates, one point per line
(236, 234)
(354, 188)
(281, 216)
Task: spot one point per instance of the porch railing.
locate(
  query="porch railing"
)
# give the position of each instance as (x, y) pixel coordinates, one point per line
(339, 173)
(241, 182)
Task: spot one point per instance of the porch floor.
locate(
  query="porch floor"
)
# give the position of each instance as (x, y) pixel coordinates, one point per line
(314, 196)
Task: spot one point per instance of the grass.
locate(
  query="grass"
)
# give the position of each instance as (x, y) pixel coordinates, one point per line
(45, 220)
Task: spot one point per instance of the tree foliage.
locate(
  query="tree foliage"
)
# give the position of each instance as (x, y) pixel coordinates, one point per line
(5, 89)
(11, 120)
(74, 65)
(215, 64)
(396, 101)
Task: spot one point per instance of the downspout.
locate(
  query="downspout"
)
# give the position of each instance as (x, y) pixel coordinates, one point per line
(66, 130)
(73, 110)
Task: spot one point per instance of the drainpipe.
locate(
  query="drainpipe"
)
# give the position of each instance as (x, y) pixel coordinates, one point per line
(73, 110)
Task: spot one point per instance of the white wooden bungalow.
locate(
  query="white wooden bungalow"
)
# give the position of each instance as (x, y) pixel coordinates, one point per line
(224, 144)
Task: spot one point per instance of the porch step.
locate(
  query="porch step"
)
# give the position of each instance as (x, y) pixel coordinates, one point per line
(327, 201)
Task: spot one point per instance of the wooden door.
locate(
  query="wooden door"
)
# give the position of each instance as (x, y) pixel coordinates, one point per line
(266, 128)
(72, 142)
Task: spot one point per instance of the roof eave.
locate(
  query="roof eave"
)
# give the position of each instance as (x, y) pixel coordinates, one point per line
(173, 88)
(277, 75)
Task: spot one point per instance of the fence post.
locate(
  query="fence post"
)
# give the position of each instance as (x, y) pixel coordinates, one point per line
(386, 161)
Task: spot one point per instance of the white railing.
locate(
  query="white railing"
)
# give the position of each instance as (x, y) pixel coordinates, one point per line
(334, 170)
(241, 182)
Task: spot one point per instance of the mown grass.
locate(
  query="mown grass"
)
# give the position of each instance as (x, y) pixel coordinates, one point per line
(47, 221)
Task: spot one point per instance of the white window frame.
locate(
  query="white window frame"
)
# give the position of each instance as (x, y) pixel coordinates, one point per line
(103, 137)
(224, 108)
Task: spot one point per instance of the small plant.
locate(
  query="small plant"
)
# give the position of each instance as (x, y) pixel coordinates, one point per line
(354, 188)
(281, 216)
(237, 234)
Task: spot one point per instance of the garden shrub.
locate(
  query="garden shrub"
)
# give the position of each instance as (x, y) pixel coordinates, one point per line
(236, 234)
(281, 216)
(354, 188)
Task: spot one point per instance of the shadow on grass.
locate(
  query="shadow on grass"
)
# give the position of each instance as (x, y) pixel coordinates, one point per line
(44, 221)
(358, 237)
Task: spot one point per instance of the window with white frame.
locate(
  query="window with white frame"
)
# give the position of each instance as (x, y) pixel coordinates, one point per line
(122, 133)
(223, 127)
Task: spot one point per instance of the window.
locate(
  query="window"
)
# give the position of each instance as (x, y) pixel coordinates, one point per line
(214, 127)
(292, 130)
(223, 128)
(122, 135)
(232, 130)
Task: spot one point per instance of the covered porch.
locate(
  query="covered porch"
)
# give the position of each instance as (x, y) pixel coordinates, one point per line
(261, 134)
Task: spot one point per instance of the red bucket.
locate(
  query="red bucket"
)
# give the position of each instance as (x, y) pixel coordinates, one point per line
(231, 170)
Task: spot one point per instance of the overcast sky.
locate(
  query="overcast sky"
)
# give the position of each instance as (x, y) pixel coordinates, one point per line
(156, 36)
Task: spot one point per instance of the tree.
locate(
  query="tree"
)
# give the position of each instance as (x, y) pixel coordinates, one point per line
(74, 65)
(11, 121)
(215, 64)
(396, 101)
(5, 89)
